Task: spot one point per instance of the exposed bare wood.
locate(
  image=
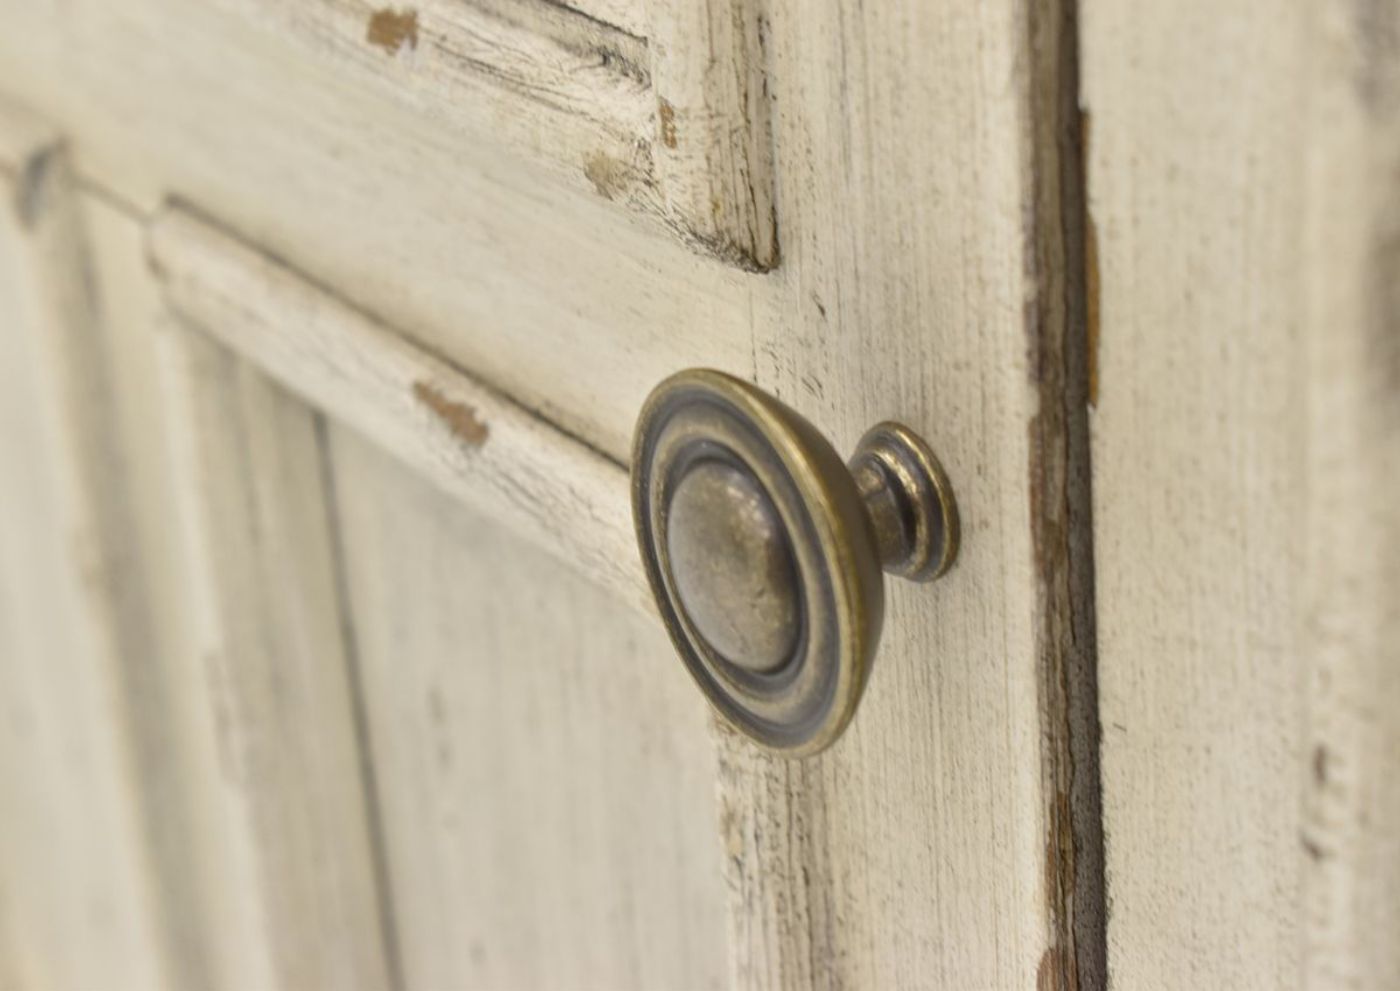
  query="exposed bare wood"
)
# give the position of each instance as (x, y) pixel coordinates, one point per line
(547, 782)
(467, 438)
(1060, 506)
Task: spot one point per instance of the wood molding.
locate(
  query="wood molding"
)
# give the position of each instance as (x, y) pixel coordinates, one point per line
(475, 443)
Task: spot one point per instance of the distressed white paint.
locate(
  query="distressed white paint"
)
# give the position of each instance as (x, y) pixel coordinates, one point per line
(467, 438)
(1242, 185)
(78, 905)
(471, 250)
(546, 779)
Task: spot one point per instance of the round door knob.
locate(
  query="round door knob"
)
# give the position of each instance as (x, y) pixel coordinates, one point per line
(764, 550)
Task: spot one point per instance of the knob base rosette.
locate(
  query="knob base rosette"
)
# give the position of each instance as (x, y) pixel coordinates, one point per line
(764, 550)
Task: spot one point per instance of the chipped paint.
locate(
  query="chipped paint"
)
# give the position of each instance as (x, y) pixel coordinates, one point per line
(608, 176)
(666, 114)
(458, 417)
(1050, 975)
(393, 30)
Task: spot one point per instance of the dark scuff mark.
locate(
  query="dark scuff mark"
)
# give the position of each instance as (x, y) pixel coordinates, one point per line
(31, 186)
(393, 30)
(1376, 28)
(458, 417)
(1319, 764)
(1311, 847)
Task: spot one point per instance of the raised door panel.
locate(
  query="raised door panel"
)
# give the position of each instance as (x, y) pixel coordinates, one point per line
(309, 764)
(211, 699)
(546, 783)
(672, 124)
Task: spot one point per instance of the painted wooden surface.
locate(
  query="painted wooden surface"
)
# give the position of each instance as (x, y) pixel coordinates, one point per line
(346, 731)
(1242, 190)
(78, 905)
(918, 257)
(1351, 349)
(236, 856)
(529, 77)
(465, 437)
(674, 125)
(629, 15)
(975, 769)
(713, 139)
(546, 779)
(934, 841)
(473, 252)
(278, 669)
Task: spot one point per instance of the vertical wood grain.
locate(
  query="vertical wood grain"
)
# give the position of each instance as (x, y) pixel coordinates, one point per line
(713, 144)
(208, 889)
(276, 667)
(546, 779)
(928, 264)
(1351, 346)
(1198, 450)
(182, 802)
(79, 905)
(1243, 189)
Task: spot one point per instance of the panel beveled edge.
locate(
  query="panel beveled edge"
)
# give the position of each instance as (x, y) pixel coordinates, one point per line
(464, 436)
(674, 126)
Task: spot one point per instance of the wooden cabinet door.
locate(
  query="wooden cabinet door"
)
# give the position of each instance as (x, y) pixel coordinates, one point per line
(329, 657)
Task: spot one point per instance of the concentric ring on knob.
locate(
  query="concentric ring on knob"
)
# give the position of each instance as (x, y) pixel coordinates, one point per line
(780, 494)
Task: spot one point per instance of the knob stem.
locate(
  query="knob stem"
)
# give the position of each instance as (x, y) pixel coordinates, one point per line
(908, 502)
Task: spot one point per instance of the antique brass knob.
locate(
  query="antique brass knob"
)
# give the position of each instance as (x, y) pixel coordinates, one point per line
(764, 550)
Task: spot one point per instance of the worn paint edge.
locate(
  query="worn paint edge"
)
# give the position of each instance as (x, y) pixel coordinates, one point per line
(1058, 323)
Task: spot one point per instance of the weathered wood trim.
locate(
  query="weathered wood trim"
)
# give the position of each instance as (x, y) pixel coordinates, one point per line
(931, 281)
(470, 440)
(1061, 503)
